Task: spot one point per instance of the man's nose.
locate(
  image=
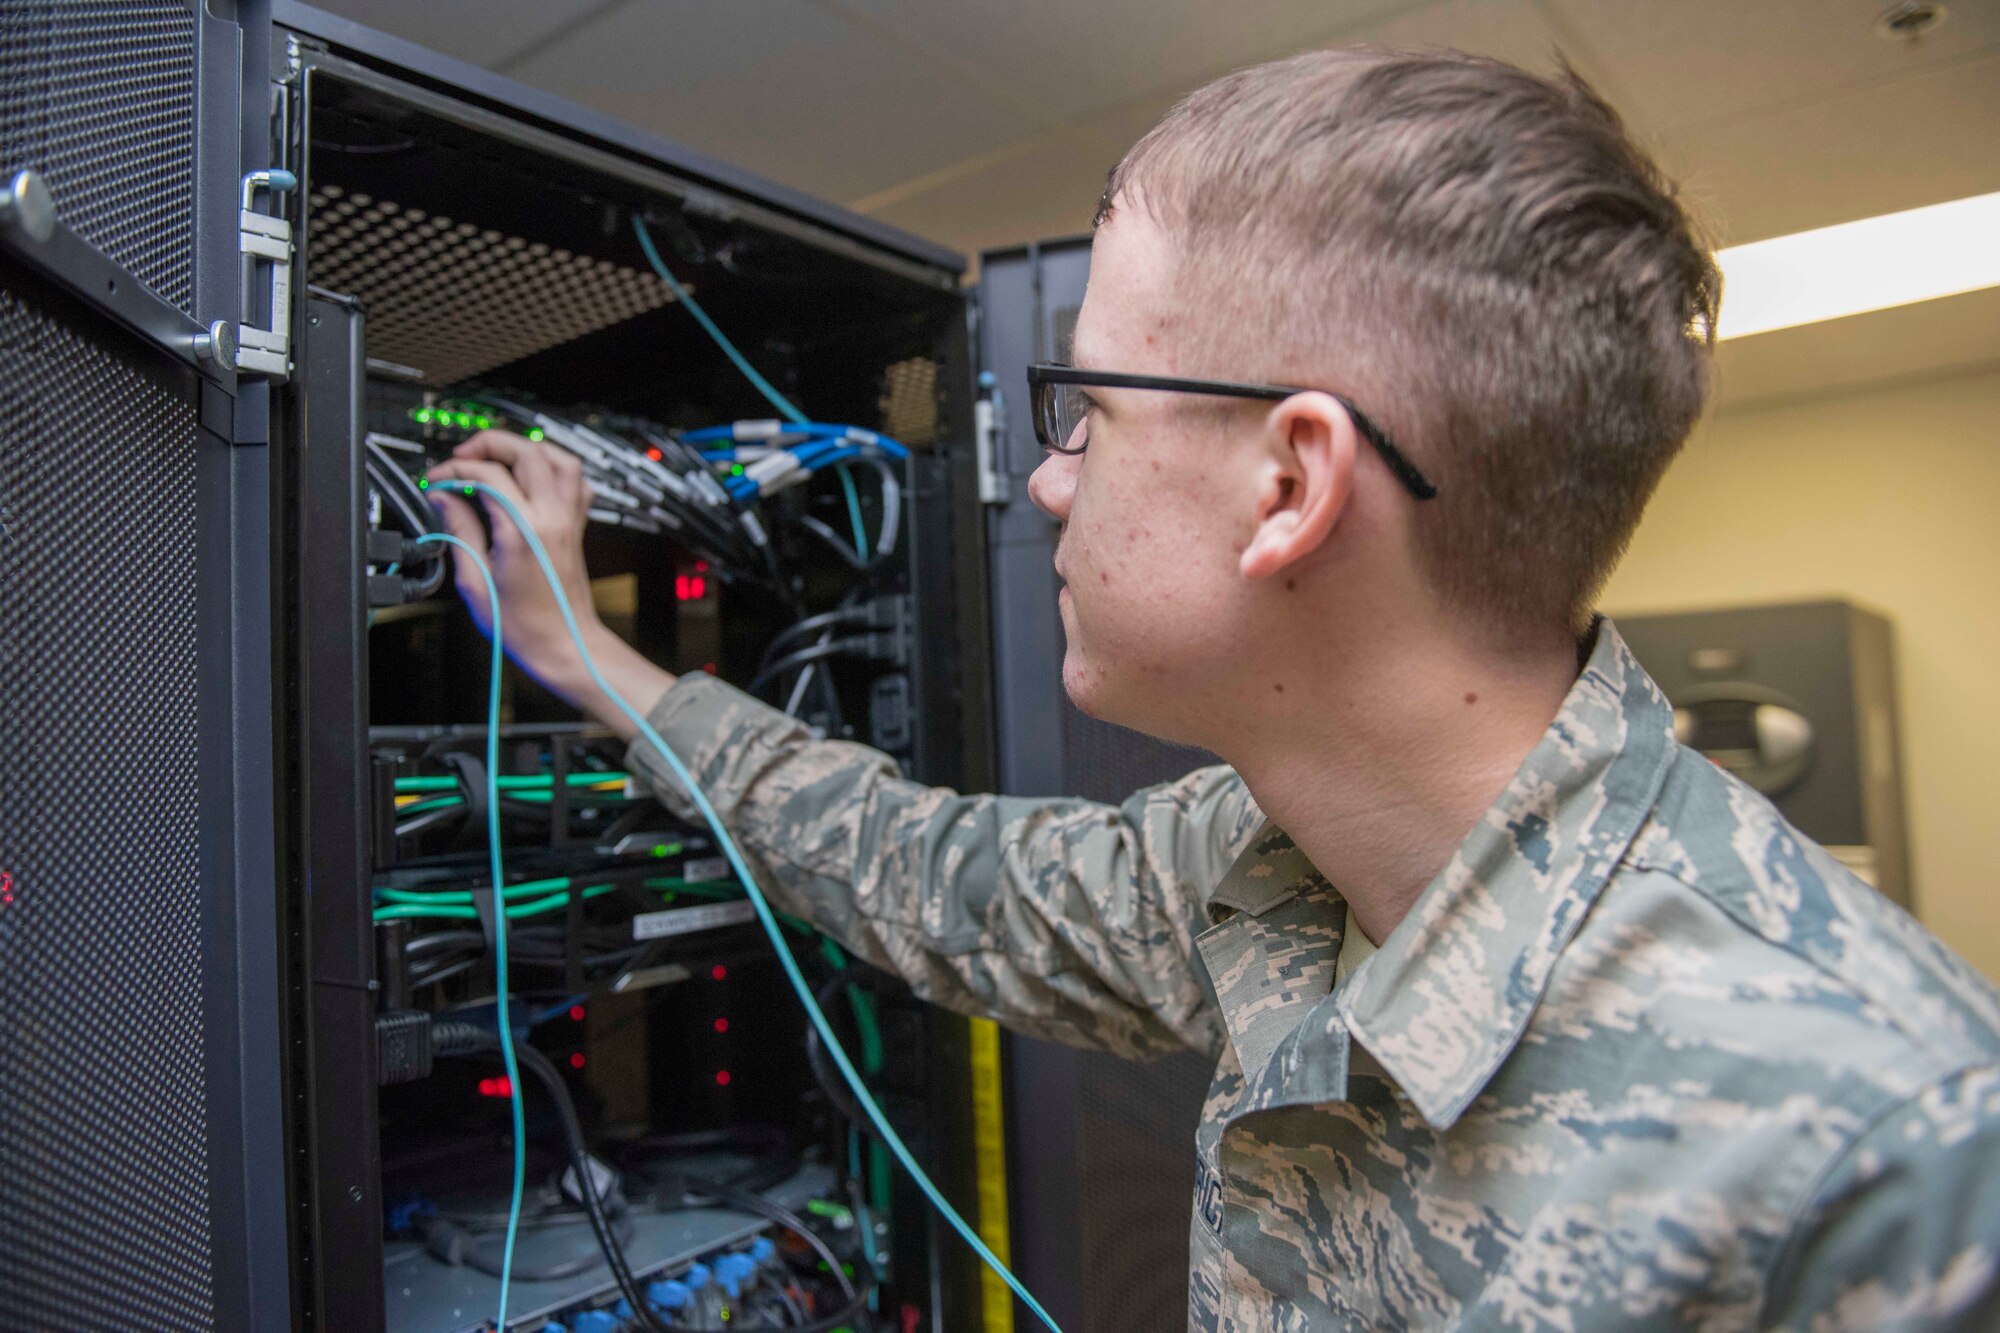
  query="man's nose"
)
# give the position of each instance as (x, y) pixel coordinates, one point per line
(1053, 485)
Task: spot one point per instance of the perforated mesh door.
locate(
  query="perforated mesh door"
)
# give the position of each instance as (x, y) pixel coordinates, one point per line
(1135, 1123)
(104, 1165)
(99, 97)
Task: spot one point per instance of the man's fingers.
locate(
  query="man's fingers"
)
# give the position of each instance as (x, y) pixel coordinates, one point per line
(531, 463)
(456, 516)
(491, 474)
(570, 487)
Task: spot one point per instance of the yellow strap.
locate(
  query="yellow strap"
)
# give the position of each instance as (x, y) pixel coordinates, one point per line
(989, 1146)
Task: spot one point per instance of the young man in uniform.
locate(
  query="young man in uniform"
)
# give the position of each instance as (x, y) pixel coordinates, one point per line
(1629, 1051)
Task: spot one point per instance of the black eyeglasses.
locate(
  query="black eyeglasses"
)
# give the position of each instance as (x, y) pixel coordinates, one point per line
(1060, 407)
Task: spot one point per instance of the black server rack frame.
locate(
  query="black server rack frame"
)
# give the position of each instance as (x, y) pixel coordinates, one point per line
(336, 1221)
(1099, 1168)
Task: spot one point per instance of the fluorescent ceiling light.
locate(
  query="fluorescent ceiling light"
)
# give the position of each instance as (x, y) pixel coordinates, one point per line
(1873, 264)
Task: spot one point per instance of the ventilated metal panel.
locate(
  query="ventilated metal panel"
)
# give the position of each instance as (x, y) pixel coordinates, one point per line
(104, 1162)
(910, 401)
(1135, 1123)
(1102, 762)
(452, 300)
(1135, 1168)
(99, 97)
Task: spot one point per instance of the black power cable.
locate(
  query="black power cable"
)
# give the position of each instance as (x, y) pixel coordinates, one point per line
(867, 644)
(451, 1037)
(812, 625)
(823, 1072)
(455, 1038)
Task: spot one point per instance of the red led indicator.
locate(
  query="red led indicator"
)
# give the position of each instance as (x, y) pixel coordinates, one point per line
(576, 1060)
(496, 1087)
(722, 1025)
(709, 667)
(690, 587)
(719, 972)
(576, 1013)
(722, 1078)
(655, 455)
(6, 888)
(701, 566)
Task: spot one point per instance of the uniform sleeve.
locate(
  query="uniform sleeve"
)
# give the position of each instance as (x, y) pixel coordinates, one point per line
(1904, 1231)
(1059, 918)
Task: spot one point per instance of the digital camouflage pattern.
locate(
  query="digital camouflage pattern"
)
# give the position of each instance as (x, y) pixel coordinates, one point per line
(1642, 1056)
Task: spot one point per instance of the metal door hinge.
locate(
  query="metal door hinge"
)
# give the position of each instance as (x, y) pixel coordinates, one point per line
(266, 351)
(989, 433)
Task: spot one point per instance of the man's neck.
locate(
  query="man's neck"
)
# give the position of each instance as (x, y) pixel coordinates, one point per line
(1379, 780)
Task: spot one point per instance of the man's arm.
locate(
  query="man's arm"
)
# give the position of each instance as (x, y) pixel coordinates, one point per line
(1065, 919)
(1903, 1232)
(1061, 918)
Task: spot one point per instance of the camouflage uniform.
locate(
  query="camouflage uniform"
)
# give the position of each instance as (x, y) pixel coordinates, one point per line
(1641, 1056)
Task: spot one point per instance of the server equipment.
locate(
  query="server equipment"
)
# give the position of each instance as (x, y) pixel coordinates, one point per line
(269, 825)
(1798, 700)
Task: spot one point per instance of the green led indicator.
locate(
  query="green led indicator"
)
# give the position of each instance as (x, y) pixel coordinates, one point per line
(421, 414)
(535, 434)
(485, 423)
(423, 483)
(469, 490)
(735, 469)
(463, 420)
(660, 850)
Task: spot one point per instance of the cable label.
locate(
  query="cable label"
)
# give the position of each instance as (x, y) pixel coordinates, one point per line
(707, 867)
(687, 920)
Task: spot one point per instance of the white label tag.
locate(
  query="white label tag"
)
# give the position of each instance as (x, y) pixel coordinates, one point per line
(687, 920)
(706, 867)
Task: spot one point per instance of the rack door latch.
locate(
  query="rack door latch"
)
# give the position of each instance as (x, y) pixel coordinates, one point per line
(989, 436)
(264, 239)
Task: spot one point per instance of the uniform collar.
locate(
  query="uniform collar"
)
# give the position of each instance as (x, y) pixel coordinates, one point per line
(1445, 1000)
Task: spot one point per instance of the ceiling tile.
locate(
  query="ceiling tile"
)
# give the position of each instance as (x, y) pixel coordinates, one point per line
(780, 87)
(1048, 190)
(1690, 61)
(1924, 140)
(481, 31)
(1073, 58)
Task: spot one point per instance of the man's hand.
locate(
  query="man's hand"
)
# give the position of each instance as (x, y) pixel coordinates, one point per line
(547, 486)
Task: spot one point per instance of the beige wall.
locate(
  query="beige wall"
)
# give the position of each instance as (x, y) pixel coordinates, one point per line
(1890, 497)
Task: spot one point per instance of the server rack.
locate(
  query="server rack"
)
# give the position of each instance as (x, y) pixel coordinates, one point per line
(1100, 1168)
(186, 360)
(339, 82)
(188, 806)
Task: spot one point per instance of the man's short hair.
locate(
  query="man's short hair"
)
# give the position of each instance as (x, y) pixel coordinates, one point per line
(1483, 260)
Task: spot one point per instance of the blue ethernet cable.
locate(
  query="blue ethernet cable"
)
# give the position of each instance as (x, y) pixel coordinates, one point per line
(686, 298)
(499, 918)
(763, 432)
(765, 916)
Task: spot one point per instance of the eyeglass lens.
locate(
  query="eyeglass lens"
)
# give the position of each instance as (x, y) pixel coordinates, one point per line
(1059, 417)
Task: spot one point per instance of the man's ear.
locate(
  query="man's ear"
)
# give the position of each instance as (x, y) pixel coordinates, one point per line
(1306, 476)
